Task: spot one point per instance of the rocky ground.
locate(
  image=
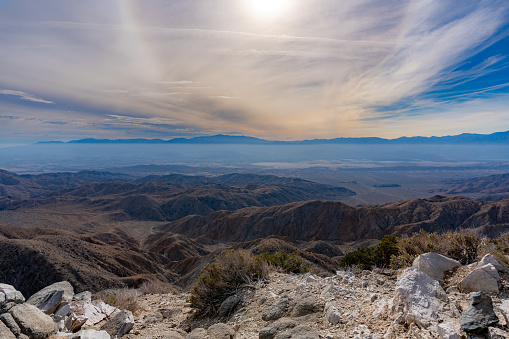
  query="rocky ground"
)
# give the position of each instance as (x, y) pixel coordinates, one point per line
(350, 304)
(347, 305)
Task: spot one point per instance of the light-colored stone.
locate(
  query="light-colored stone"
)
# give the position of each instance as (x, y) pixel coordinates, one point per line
(490, 259)
(418, 298)
(481, 279)
(93, 314)
(504, 309)
(93, 334)
(435, 265)
(65, 286)
(85, 296)
(32, 321)
(5, 333)
(63, 310)
(9, 294)
(497, 333)
(445, 331)
(332, 314)
(9, 321)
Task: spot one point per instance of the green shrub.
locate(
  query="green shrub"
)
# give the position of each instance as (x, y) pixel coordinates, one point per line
(387, 249)
(224, 278)
(288, 262)
(367, 257)
(363, 258)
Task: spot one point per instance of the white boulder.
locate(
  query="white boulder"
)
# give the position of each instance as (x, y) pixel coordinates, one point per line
(481, 279)
(435, 265)
(418, 299)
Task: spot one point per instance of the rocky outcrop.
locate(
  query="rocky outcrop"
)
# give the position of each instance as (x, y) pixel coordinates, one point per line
(490, 259)
(120, 324)
(33, 322)
(418, 299)
(435, 265)
(479, 315)
(484, 278)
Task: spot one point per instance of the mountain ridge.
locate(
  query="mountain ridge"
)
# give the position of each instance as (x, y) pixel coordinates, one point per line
(474, 138)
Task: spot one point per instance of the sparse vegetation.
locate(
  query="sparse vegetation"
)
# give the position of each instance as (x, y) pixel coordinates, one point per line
(225, 277)
(124, 299)
(152, 287)
(368, 257)
(287, 262)
(463, 247)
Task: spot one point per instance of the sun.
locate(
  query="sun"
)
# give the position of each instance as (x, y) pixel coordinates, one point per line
(268, 9)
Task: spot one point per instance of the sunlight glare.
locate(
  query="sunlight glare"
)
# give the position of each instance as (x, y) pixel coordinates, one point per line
(268, 9)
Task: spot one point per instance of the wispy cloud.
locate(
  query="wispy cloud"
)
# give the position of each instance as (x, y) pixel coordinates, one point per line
(324, 69)
(25, 96)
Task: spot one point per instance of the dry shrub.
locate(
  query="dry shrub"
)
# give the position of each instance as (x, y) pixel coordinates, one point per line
(152, 287)
(224, 278)
(460, 246)
(287, 262)
(124, 299)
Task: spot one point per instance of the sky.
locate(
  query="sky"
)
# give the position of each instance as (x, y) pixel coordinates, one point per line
(274, 69)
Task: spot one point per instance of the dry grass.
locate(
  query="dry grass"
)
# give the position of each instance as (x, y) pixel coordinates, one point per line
(124, 299)
(463, 246)
(152, 287)
(224, 278)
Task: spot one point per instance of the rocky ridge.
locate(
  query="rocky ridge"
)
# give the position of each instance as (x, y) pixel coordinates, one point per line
(350, 304)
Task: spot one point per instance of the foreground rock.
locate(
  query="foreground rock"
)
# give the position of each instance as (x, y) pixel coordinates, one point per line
(484, 279)
(490, 259)
(435, 265)
(418, 298)
(120, 324)
(479, 315)
(32, 322)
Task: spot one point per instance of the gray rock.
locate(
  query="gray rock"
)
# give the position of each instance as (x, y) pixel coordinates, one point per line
(8, 294)
(277, 310)
(120, 324)
(299, 332)
(9, 321)
(83, 296)
(445, 331)
(479, 314)
(418, 299)
(51, 302)
(65, 286)
(435, 265)
(277, 326)
(482, 279)
(497, 333)
(332, 314)
(229, 305)
(305, 305)
(32, 321)
(197, 333)
(221, 331)
(5, 333)
(153, 318)
(490, 259)
(63, 310)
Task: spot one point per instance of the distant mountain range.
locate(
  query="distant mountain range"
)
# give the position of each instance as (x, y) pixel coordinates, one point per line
(465, 138)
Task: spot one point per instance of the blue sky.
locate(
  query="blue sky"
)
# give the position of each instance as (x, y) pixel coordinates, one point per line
(275, 69)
